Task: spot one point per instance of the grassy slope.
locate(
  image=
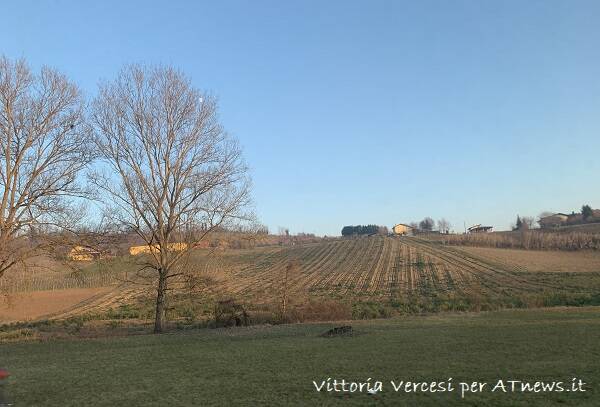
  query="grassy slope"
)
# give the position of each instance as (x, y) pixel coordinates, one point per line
(276, 365)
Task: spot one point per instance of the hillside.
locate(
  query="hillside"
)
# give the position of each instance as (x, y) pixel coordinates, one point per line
(395, 274)
(378, 266)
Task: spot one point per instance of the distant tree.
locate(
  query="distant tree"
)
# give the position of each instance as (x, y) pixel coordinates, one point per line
(524, 223)
(363, 230)
(518, 224)
(527, 222)
(426, 224)
(443, 225)
(347, 230)
(414, 225)
(586, 212)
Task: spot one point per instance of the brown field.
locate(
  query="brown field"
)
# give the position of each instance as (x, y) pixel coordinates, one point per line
(40, 304)
(410, 270)
(567, 239)
(371, 268)
(539, 261)
(404, 271)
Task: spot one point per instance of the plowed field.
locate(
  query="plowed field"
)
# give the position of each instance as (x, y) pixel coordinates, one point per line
(384, 266)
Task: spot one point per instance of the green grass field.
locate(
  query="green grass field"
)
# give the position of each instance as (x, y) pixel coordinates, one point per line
(277, 365)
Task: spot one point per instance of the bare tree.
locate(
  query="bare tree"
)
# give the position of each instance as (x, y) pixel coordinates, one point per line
(426, 224)
(443, 225)
(527, 222)
(43, 146)
(291, 268)
(174, 173)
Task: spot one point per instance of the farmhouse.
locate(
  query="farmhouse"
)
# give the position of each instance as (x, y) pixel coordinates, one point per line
(402, 229)
(480, 229)
(554, 220)
(176, 247)
(82, 253)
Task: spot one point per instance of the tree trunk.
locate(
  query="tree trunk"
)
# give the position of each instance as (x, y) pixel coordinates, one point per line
(161, 292)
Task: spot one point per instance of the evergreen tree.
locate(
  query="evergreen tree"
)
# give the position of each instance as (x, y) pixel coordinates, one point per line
(519, 224)
(586, 212)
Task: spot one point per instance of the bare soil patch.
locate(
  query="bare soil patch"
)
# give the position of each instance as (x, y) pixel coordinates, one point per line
(37, 304)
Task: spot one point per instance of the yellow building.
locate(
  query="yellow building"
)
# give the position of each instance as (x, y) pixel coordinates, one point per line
(176, 247)
(402, 229)
(82, 253)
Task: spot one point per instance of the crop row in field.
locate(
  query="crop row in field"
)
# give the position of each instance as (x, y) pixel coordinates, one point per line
(405, 271)
(58, 279)
(376, 267)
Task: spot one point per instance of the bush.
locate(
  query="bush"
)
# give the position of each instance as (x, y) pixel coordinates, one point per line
(230, 313)
(371, 310)
(125, 311)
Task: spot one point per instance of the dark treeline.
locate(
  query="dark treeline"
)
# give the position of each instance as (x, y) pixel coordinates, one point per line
(364, 230)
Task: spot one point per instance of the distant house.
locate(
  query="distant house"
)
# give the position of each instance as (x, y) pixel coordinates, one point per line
(555, 220)
(175, 247)
(480, 229)
(82, 253)
(402, 230)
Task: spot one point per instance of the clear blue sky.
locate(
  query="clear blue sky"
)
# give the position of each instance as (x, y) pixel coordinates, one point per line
(365, 112)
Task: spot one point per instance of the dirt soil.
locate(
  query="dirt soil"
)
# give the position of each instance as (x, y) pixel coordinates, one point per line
(38, 304)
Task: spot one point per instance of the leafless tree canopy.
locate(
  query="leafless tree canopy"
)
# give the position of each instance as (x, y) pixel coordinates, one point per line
(427, 224)
(443, 226)
(43, 146)
(528, 222)
(178, 174)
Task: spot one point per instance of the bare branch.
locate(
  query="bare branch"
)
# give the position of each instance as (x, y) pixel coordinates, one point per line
(44, 144)
(176, 174)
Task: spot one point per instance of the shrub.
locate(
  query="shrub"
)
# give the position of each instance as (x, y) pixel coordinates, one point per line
(371, 310)
(230, 313)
